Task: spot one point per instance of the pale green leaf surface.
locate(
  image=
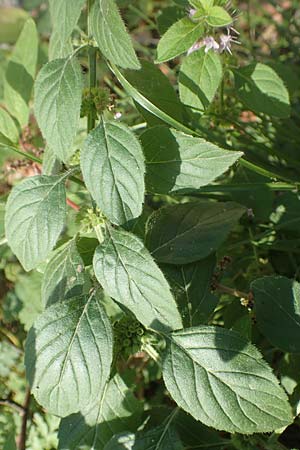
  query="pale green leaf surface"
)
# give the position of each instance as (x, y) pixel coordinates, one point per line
(178, 39)
(68, 354)
(64, 17)
(116, 409)
(188, 232)
(51, 165)
(58, 91)
(128, 274)
(34, 219)
(262, 90)
(200, 76)
(110, 33)
(28, 290)
(177, 162)
(20, 73)
(112, 164)
(8, 129)
(64, 276)
(191, 286)
(158, 438)
(229, 385)
(277, 310)
(218, 17)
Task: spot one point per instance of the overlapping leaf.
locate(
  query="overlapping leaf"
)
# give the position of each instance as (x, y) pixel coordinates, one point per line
(178, 39)
(129, 275)
(68, 354)
(64, 276)
(199, 78)
(20, 73)
(277, 307)
(112, 164)
(116, 409)
(111, 35)
(58, 91)
(34, 219)
(229, 386)
(188, 232)
(177, 162)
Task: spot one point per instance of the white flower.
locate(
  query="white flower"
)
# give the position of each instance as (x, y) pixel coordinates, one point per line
(210, 44)
(195, 47)
(117, 116)
(226, 40)
(191, 12)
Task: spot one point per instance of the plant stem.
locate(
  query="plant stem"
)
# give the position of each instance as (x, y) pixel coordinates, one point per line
(12, 404)
(233, 292)
(92, 53)
(25, 414)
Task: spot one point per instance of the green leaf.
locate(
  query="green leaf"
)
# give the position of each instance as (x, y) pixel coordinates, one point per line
(200, 76)
(8, 131)
(168, 16)
(64, 276)
(261, 90)
(156, 87)
(129, 275)
(58, 91)
(64, 17)
(229, 385)
(112, 164)
(160, 438)
(178, 39)
(28, 290)
(188, 232)
(20, 73)
(116, 409)
(35, 216)
(218, 17)
(110, 33)
(177, 162)
(277, 308)
(51, 165)
(68, 355)
(86, 247)
(191, 285)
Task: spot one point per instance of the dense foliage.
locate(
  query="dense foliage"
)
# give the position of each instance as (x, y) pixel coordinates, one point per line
(149, 252)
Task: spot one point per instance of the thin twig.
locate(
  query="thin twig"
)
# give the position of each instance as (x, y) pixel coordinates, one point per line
(11, 404)
(25, 414)
(234, 292)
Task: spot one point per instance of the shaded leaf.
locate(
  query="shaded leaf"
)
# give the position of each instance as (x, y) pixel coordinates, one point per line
(261, 90)
(200, 76)
(191, 286)
(129, 275)
(68, 355)
(64, 276)
(20, 73)
(277, 308)
(187, 232)
(177, 162)
(115, 409)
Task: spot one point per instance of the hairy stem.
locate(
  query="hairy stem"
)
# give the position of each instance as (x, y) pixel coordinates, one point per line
(25, 414)
(233, 292)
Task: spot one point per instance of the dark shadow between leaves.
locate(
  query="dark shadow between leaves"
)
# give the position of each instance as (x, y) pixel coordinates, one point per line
(163, 160)
(235, 344)
(74, 431)
(19, 80)
(189, 84)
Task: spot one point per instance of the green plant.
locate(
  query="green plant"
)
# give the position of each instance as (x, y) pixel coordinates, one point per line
(145, 266)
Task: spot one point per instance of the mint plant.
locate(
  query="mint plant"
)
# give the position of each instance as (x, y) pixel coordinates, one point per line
(141, 271)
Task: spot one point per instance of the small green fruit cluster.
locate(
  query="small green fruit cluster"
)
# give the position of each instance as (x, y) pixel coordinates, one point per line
(94, 101)
(128, 333)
